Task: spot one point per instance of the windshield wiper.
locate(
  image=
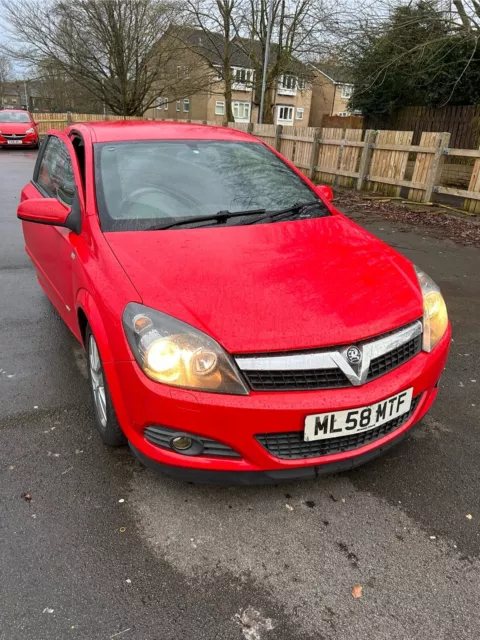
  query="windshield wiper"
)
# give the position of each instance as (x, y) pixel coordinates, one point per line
(297, 208)
(219, 217)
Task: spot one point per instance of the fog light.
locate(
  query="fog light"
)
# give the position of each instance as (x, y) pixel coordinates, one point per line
(181, 443)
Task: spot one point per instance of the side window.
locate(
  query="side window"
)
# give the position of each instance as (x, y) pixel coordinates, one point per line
(55, 173)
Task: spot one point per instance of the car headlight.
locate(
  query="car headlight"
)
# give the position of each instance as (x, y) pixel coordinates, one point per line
(175, 353)
(31, 130)
(435, 316)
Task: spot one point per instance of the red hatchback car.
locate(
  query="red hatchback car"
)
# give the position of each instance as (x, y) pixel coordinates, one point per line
(18, 129)
(238, 327)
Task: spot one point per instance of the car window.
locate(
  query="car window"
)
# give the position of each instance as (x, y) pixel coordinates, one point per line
(55, 173)
(143, 183)
(14, 116)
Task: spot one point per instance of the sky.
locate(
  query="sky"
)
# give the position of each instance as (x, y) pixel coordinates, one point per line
(19, 71)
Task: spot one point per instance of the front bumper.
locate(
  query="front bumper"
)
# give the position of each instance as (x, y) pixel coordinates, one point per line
(30, 140)
(236, 420)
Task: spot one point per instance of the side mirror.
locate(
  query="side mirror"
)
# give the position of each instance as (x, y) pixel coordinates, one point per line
(325, 192)
(44, 211)
(36, 123)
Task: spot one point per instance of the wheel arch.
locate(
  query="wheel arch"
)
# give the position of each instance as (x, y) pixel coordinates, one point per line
(89, 314)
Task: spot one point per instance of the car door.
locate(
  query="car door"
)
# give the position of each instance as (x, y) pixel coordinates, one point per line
(52, 248)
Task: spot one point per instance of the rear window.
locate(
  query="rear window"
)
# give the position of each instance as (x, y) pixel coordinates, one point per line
(140, 184)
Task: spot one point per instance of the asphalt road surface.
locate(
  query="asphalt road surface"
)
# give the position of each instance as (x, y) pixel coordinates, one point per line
(107, 550)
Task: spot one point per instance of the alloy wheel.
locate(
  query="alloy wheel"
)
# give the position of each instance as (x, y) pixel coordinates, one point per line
(97, 381)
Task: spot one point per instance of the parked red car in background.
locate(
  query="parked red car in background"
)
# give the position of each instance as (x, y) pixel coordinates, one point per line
(237, 326)
(18, 129)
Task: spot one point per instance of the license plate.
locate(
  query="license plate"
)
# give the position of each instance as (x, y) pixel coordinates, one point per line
(14, 142)
(336, 424)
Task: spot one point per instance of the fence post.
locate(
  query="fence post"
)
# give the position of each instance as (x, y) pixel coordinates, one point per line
(435, 172)
(278, 139)
(250, 128)
(69, 118)
(340, 155)
(366, 158)
(314, 156)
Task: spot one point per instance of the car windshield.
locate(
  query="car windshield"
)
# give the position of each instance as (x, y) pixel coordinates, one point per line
(14, 116)
(144, 184)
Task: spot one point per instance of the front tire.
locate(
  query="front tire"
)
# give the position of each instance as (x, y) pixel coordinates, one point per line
(105, 417)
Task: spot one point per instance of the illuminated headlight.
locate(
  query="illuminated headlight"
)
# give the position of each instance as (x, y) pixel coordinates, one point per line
(175, 353)
(31, 130)
(435, 316)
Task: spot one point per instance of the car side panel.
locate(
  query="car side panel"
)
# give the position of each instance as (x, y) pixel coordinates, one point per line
(102, 288)
(45, 245)
(102, 291)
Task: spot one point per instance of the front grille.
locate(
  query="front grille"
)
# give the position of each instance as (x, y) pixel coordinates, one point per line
(393, 359)
(161, 437)
(315, 379)
(293, 380)
(13, 136)
(291, 445)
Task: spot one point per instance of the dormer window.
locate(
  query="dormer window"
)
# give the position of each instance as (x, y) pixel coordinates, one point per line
(242, 78)
(287, 85)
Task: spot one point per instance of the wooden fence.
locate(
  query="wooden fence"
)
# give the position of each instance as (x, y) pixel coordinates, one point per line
(60, 121)
(343, 122)
(462, 122)
(386, 162)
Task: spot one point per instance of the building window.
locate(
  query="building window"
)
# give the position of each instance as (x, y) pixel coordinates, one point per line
(186, 105)
(287, 85)
(285, 115)
(242, 76)
(288, 82)
(183, 72)
(347, 91)
(301, 83)
(162, 102)
(300, 111)
(219, 108)
(241, 111)
(179, 104)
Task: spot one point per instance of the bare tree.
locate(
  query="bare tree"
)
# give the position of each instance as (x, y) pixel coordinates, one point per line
(214, 24)
(237, 30)
(5, 75)
(110, 47)
(58, 92)
(294, 26)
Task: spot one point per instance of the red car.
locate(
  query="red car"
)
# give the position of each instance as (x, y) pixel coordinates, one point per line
(18, 129)
(238, 327)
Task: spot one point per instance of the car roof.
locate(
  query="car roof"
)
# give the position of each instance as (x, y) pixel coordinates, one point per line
(129, 130)
(15, 111)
